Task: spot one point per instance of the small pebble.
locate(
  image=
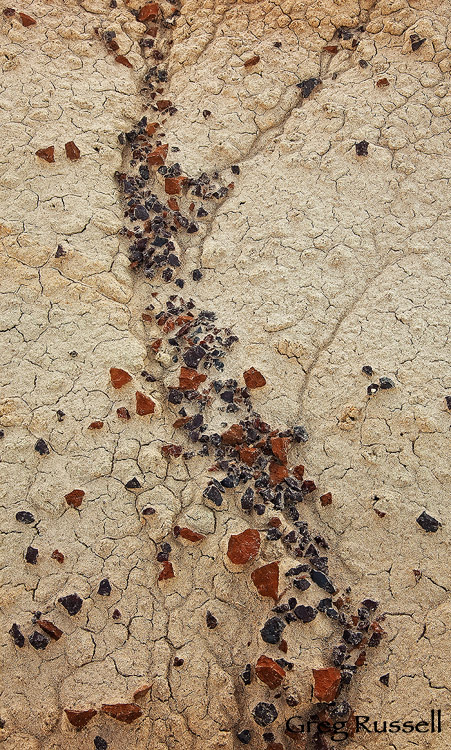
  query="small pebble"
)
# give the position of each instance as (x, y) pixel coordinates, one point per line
(41, 447)
(367, 370)
(38, 640)
(211, 621)
(104, 587)
(372, 389)
(72, 603)
(264, 714)
(385, 679)
(427, 522)
(24, 516)
(17, 636)
(31, 555)
(99, 742)
(361, 148)
(386, 383)
(244, 736)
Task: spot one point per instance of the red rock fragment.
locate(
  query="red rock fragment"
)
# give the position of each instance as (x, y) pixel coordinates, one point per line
(269, 672)
(171, 450)
(26, 20)
(189, 380)
(279, 447)
(252, 61)
(96, 425)
(151, 128)
(181, 421)
(283, 646)
(148, 12)
(157, 157)
(382, 82)
(275, 522)
(326, 499)
(8, 12)
(173, 185)
(191, 536)
(167, 572)
(332, 49)
(279, 746)
(173, 205)
(57, 555)
(243, 547)
(163, 104)
(144, 404)
(308, 486)
(79, 719)
(248, 455)
(233, 436)
(49, 628)
(253, 378)
(48, 154)
(126, 712)
(360, 661)
(72, 151)
(327, 683)
(122, 60)
(123, 413)
(156, 345)
(277, 473)
(74, 499)
(298, 472)
(141, 692)
(119, 377)
(116, 614)
(147, 317)
(266, 580)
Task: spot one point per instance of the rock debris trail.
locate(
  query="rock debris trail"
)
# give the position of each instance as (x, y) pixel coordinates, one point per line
(223, 449)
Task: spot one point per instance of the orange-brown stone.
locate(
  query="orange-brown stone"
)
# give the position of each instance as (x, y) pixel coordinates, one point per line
(122, 60)
(243, 547)
(266, 580)
(173, 205)
(148, 12)
(277, 473)
(96, 425)
(269, 672)
(57, 555)
(163, 104)
(167, 572)
(173, 185)
(72, 151)
(79, 719)
(327, 683)
(26, 20)
(326, 499)
(279, 447)
(141, 692)
(144, 404)
(48, 154)
(49, 628)
(248, 455)
(253, 378)
(119, 377)
(126, 712)
(190, 380)
(233, 436)
(252, 61)
(298, 471)
(74, 498)
(157, 157)
(123, 413)
(151, 128)
(191, 536)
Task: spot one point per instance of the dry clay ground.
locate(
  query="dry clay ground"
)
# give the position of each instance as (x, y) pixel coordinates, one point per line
(321, 261)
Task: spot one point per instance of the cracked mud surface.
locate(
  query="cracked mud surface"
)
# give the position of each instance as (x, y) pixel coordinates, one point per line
(321, 262)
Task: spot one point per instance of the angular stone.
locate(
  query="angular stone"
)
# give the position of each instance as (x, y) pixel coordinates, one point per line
(194, 355)
(119, 377)
(266, 580)
(48, 154)
(305, 614)
(157, 157)
(74, 498)
(97, 425)
(326, 499)
(427, 522)
(31, 555)
(148, 12)
(264, 714)
(322, 581)
(72, 151)
(248, 455)
(71, 602)
(123, 413)
(272, 630)
(144, 404)
(49, 628)
(298, 472)
(17, 636)
(57, 555)
(279, 447)
(26, 20)
(190, 536)
(243, 547)
(189, 379)
(79, 719)
(173, 185)
(122, 60)
(277, 473)
(327, 683)
(24, 516)
(253, 379)
(41, 447)
(104, 587)
(269, 672)
(125, 712)
(167, 572)
(171, 450)
(233, 436)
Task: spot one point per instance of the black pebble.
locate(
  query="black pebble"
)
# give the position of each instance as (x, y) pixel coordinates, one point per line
(244, 736)
(104, 587)
(322, 581)
(213, 493)
(133, 484)
(386, 383)
(301, 583)
(235, 169)
(305, 614)
(372, 389)
(264, 714)
(367, 370)
(193, 356)
(38, 640)
(259, 509)
(352, 637)
(363, 63)
(361, 148)
(17, 636)
(385, 679)
(416, 42)
(308, 86)
(245, 674)
(300, 434)
(60, 415)
(206, 113)
(31, 555)
(41, 447)
(211, 621)
(427, 522)
(100, 743)
(272, 630)
(448, 402)
(71, 602)
(25, 517)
